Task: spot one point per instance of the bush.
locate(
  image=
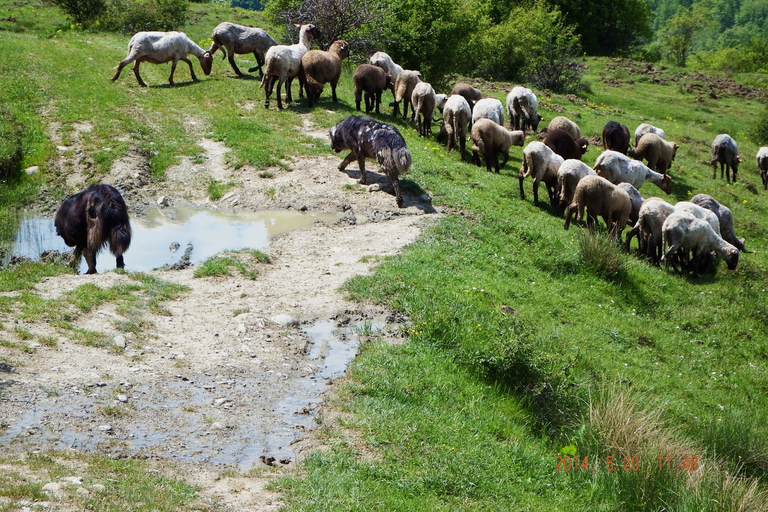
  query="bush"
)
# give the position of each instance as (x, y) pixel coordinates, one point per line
(82, 11)
(602, 256)
(10, 145)
(759, 131)
(131, 17)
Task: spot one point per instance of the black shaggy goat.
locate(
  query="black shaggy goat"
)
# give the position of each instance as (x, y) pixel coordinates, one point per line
(91, 219)
(368, 138)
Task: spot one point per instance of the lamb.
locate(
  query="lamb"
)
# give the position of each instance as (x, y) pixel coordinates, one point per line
(658, 152)
(404, 85)
(647, 128)
(568, 176)
(563, 123)
(616, 137)
(423, 101)
(724, 216)
(161, 47)
(636, 199)
(542, 163)
(283, 63)
(522, 107)
(238, 39)
(490, 139)
(601, 198)
(488, 108)
(650, 220)
(370, 80)
(385, 62)
(681, 230)
(469, 93)
(456, 116)
(762, 165)
(561, 142)
(368, 138)
(700, 213)
(618, 168)
(320, 67)
(725, 151)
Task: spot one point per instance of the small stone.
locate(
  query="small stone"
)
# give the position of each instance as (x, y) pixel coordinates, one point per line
(163, 201)
(32, 170)
(374, 188)
(62, 148)
(285, 320)
(119, 341)
(53, 488)
(216, 425)
(121, 398)
(99, 487)
(105, 428)
(73, 480)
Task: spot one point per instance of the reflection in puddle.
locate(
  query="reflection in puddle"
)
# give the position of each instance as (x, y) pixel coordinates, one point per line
(209, 232)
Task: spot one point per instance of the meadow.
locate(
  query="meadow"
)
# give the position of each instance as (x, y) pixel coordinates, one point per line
(544, 369)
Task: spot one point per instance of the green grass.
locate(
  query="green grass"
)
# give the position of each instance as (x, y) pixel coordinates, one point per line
(525, 342)
(241, 261)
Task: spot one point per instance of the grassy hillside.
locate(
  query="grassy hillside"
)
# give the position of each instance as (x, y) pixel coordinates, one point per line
(527, 343)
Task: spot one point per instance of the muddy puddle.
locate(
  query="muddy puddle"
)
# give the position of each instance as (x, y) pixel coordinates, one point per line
(162, 236)
(198, 417)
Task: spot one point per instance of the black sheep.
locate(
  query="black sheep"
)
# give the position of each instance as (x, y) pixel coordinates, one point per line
(561, 142)
(616, 137)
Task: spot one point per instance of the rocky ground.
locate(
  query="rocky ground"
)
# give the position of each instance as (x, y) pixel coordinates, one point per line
(234, 377)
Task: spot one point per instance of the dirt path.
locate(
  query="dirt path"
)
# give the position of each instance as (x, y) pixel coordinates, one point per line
(234, 376)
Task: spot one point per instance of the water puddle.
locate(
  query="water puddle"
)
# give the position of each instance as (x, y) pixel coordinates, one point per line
(161, 236)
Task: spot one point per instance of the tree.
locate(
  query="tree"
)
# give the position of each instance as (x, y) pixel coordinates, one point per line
(679, 34)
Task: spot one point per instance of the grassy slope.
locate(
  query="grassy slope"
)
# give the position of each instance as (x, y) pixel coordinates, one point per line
(452, 420)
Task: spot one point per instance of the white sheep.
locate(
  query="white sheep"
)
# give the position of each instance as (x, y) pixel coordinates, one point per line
(423, 100)
(658, 152)
(617, 167)
(456, 116)
(403, 91)
(542, 163)
(385, 62)
(569, 174)
(647, 128)
(563, 123)
(700, 213)
(601, 198)
(681, 230)
(488, 108)
(762, 165)
(724, 216)
(635, 198)
(650, 219)
(162, 47)
(283, 63)
(726, 152)
(239, 39)
(522, 107)
(490, 139)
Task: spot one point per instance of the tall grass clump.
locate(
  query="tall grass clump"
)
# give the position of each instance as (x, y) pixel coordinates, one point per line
(737, 437)
(602, 256)
(759, 131)
(10, 145)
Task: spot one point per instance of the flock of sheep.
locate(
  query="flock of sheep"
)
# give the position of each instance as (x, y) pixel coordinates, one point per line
(694, 232)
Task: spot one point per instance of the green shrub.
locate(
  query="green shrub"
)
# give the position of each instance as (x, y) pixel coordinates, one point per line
(601, 255)
(131, 17)
(10, 145)
(759, 131)
(82, 11)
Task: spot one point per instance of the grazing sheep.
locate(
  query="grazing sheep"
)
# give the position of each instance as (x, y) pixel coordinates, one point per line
(385, 62)
(700, 213)
(423, 102)
(522, 107)
(561, 142)
(456, 116)
(601, 198)
(616, 137)
(469, 93)
(162, 47)
(681, 230)
(636, 199)
(563, 123)
(762, 165)
(650, 220)
(368, 138)
(568, 176)
(283, 63)
(490, 139)
(647, 128)
(658, 152)
(618, 168)
(488, 108)
(542, 163)
(370, 80)
(91, 219)
(403, 91)
(320, 67)
(725, 151)
(238, 39)
(724, 216)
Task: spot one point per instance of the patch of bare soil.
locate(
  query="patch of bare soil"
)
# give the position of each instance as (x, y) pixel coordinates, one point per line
(234, 376)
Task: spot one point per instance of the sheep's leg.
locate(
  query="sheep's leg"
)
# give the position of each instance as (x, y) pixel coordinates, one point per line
(279, 96)
(632, 233)
(503, 163)
(191, 69)
(347, 160)
(333, 91)
(489, 160)
(232, 63)
(268, 84)
(173, 70)
(136, 72)
(257, 67)
(377, 100)
(120, 68)
(536, 182)
(521, 177)
(571, 210)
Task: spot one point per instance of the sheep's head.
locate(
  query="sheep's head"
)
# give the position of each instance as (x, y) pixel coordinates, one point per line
(341, 48)
(732, 258)
(206, 62)
(583, 143)
(667, 184)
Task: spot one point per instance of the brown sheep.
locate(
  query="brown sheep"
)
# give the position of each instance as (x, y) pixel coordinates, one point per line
(320, 67)
(601, 198)
(490, 139)
(658, 152)
(404, 85)
(561, 142)
(370, 80)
